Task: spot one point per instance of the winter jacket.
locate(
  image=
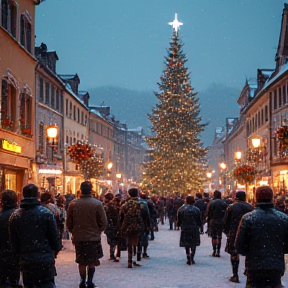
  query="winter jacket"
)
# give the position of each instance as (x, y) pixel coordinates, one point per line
(5, 246)
(112, 214)
(262, 237)
(233, 215)
(33, 233)
(190, 220)
(86, 219)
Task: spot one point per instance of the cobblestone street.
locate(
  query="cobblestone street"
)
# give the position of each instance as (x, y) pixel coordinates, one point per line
(166, 267)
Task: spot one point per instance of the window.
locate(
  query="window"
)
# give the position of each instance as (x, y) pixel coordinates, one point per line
(57, 99)
(25, 114)
(74, 112)
(8, 105)
(259, 119)
(275, 99)
(78, 115)
(52, 97)
(47, 93)
(284, 94)
(41, 91)
(41, 137)
(9, 16)
(26, 32)
(61, 102)
(279, 97)
(67, 106)
(82, 117)
(70, 110)
(262, 117)
(266, 113)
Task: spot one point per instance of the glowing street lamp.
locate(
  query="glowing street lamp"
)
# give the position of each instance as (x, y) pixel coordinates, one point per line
(52, 136)
(256, 142)
(209, 176)
(238, 156)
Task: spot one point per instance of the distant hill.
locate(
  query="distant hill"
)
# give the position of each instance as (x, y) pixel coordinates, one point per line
(131, 107)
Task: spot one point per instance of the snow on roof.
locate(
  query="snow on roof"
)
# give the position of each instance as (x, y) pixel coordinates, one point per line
(283, 69)
(96, 112)
(67, 77)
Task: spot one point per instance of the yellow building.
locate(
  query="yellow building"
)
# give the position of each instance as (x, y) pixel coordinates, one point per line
(17, 90)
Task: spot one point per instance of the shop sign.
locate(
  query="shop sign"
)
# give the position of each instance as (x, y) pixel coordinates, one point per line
(11, 146)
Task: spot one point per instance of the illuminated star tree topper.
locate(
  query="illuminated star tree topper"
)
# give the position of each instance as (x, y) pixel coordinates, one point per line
(175, 24)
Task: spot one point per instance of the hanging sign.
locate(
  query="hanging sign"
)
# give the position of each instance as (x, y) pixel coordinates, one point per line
(11, 147)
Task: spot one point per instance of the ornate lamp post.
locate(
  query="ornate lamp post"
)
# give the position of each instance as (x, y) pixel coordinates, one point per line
(52, 137)
(223, 167)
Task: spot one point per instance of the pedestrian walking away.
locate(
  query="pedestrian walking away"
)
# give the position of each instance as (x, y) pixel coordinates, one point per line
(9, 261)
(232, 218)
(34, 236)
(262, 237)
(215, 218)
(86, 219)
(190, 221)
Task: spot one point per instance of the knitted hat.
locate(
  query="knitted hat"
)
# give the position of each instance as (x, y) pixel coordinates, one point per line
(240, 195)
(264, 194)
(109, 196)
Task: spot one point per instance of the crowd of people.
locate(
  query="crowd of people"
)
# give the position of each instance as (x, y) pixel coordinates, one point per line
(32, 232)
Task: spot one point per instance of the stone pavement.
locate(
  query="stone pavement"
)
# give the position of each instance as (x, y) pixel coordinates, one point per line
(166, 267)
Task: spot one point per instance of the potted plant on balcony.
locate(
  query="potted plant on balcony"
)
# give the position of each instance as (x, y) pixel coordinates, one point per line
(7, 123)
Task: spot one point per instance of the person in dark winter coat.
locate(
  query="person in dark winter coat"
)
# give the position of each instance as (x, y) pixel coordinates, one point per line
(112, 214)
(200, 203)
(132, 220)
(9, 261)
(86, 220)
(143, 242)
(170, 212)
(262, 237)
(232, 218)
(190, 222)
(215, 218)
(34, 236)
(178, 202)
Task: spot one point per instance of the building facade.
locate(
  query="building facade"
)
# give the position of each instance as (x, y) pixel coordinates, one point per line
(17, 91)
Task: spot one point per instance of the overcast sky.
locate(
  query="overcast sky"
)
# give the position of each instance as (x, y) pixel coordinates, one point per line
(123, 43)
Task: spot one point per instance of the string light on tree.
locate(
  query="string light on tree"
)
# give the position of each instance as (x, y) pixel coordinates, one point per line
(176, 149)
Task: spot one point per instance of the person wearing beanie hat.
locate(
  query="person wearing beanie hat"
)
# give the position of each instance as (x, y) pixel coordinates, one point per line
(133, 221)
(112, 214)
(215, 219)
(262, 237)
(190, 222)
(233, 215)
(9, 261)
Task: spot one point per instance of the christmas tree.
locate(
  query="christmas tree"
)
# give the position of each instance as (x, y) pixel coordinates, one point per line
(177, 155)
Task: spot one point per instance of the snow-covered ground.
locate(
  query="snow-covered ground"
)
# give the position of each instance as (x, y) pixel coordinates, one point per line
(166, 267)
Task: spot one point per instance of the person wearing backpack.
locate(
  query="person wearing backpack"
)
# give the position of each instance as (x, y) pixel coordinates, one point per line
(132, 221)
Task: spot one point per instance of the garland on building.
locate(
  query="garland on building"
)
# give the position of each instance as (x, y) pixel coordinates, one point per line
(244, 174)
(88, 159)
(282, 133)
